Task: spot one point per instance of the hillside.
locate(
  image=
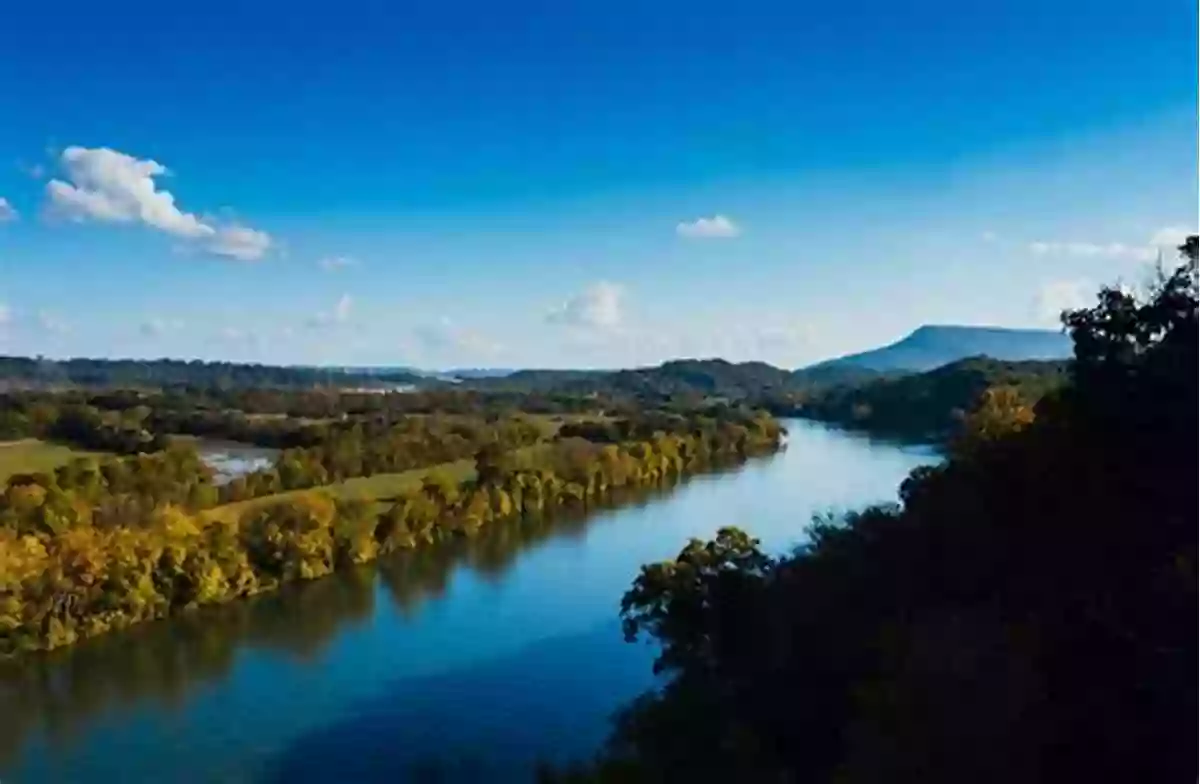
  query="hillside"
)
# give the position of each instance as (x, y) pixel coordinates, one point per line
(704, 377)
(925, 349)
(932, 346)
(928, 405)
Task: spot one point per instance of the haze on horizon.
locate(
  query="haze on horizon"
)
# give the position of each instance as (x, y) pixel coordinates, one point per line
(599, 185)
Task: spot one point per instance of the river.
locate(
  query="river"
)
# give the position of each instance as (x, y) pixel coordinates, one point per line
(467, 662)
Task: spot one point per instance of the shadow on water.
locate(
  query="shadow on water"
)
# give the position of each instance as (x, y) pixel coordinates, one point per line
(63, 694)
(487, 722)
(159, 664)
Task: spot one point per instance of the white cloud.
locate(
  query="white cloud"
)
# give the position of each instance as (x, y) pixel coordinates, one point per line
(111, 187)
(334, 263)
(989, 236)
(51, 323)
(7, 211)
(445, 336)
(239, 242)
(1112, 250)
(156, 327)
(1058, 295)
(1169, 238)
(598, 307)
(339, 315)
(107, 185)
(716, 227)
(1164, 241)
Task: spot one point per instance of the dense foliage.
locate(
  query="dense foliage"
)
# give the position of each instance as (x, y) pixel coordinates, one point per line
(363, 448)
(684, 379)
(930, 405)
(1026, 614)
(128, 421)
(102, 546)
(926, 406)
(131, 488)
(73, 422)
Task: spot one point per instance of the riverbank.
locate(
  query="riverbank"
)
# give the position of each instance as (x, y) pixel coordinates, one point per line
(87, 581)
(424, 654)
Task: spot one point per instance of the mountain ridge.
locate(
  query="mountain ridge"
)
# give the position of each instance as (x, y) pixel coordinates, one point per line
(933, 345)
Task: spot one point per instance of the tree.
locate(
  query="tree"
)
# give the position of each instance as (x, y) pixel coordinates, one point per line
(673, 601)
(1025, 615)
(1000, 412)
(491, 463)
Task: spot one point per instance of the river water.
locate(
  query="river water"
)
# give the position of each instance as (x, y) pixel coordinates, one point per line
(465, 662)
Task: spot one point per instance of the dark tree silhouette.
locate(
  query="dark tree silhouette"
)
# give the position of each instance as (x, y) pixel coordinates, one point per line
(1027, 613)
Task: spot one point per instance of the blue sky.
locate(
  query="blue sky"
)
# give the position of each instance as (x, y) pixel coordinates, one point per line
(577, 184)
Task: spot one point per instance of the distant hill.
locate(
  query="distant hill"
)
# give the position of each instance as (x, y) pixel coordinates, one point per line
(537, 380)
(21, 372)
(703, 376)
(936, 345)
(467, 373)
(707, 377)
(928, 405)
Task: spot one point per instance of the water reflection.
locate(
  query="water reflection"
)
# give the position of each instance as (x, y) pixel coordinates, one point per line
(160, 664)
(231, 459)
(489, 721)
(55, 698)
(496, 651)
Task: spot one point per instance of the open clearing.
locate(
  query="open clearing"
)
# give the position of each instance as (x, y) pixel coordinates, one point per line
(30, 455)
(378, 489)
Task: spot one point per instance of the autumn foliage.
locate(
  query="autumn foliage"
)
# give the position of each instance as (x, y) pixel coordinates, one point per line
(99, 546)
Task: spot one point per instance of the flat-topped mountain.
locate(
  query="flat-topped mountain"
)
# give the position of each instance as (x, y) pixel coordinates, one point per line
(932, 346)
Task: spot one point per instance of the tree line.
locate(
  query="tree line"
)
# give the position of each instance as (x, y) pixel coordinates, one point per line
(927, 406)
(43, 372)
(1025, 613)
(77, 424)
(353, 449)
(128, 421)
(113, 490)
(76, 563)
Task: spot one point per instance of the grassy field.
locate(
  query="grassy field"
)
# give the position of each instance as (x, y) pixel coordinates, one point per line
(550, 423)
(29, 456)
(380, 488)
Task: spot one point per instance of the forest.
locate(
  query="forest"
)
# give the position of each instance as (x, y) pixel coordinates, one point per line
(1024, 613)
(102, 543)
(929, 406)
(923, 406)
(19, 372)
(288, 407)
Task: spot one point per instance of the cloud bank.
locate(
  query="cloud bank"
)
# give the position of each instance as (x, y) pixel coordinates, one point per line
(599, 306)
(1162, 242)
(108, 186)
(716, 227)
